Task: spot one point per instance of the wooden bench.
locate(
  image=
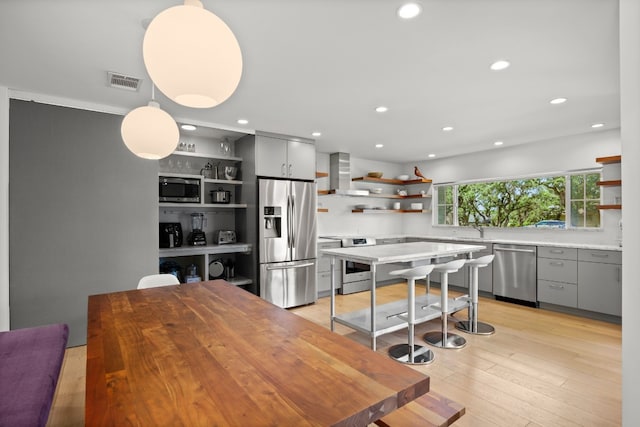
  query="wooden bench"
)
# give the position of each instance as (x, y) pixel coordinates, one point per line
(431, 409)
(30, 364)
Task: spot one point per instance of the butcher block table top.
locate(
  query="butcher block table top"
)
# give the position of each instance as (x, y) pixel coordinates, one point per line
(212, 354)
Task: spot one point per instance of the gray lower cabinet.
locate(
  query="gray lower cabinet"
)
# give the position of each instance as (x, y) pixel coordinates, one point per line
(324, 269)
(600, 281)
(558, 276)
(485, 274)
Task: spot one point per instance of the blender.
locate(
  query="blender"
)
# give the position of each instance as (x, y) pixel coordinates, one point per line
(197, 236)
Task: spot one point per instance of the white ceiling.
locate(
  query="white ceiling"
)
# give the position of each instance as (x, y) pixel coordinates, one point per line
(326, 64)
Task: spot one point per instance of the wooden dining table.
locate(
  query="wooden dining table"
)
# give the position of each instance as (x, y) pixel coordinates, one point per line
(213, 354)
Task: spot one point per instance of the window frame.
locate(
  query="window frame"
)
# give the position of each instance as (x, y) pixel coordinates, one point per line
(567, 202)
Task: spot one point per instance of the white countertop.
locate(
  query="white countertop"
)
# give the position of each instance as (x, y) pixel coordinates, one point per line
(400, 252)
(478, 240)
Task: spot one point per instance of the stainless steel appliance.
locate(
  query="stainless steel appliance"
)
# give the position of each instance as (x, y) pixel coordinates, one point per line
(220, 196)
(287, 241)
(514, 273)
(222, 237)
(178, 190)
(170, 235)
(356, 276)
(197, 236)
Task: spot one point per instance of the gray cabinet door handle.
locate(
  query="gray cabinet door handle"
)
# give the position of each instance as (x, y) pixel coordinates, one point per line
(560, 287)
(558, 263)
(599, 255)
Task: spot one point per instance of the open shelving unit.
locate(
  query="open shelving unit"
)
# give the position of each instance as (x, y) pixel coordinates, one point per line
(609, 160)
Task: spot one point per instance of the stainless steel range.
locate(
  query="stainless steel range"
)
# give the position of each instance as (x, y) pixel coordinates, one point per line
(356, 277)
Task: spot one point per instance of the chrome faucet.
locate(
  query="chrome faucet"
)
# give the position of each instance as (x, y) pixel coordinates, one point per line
(479, 228)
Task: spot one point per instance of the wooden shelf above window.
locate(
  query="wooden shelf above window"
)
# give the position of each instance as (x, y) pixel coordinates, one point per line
(610, 183)
(392, 181)
(605, 207)
(609, 159)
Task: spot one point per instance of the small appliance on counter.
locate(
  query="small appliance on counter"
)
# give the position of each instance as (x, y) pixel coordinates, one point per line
(170, 235)
(172, 267)
(197, 236)
(220, 196)
(192, 274)
(222, 237)
(216, 269)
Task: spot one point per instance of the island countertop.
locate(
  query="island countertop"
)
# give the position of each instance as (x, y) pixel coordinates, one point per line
(400, 252)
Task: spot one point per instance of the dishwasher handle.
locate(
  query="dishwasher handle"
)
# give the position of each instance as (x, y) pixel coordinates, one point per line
(527, 251)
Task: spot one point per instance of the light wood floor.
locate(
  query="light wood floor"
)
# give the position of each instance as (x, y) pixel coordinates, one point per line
(540, 368)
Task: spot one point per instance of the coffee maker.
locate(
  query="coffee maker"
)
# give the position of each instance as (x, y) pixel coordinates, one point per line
(197, 236)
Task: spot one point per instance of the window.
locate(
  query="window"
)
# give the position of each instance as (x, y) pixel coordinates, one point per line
(539, 202)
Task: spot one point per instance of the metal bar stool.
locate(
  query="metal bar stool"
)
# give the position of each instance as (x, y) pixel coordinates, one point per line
(472, 326)
(444, 339)
(411, 353)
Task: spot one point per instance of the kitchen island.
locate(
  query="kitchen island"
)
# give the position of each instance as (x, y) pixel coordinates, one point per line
(378, 320)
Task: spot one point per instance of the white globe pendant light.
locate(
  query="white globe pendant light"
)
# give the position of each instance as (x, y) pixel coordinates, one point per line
(149, 132)
(192, 56)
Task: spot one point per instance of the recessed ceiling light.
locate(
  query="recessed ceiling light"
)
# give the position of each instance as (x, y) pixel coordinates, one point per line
(316, 134)
(500, 65)
(447, 129)
(243, 121)
(498, 143)
(188, 127)
(597, 125)
(379, 145)
(409, 10)
(558, 101)
(431, 155)
(382, 109)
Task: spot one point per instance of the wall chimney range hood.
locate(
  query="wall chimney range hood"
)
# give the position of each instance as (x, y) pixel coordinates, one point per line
(340, 175)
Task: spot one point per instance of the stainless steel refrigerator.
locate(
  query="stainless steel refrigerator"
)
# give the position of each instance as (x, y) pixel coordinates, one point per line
(287, 241)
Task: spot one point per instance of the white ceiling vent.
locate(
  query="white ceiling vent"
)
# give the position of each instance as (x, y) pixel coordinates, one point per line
(121, 81)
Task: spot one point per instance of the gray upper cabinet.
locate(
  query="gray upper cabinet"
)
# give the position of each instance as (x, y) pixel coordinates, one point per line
(600, 281)
(285, 158)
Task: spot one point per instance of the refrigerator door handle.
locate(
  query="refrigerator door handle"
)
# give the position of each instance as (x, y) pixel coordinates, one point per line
(289, 225)
(292, 221)
(287, 267)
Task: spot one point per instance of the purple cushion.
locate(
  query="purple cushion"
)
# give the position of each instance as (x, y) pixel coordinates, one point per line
(30, 363)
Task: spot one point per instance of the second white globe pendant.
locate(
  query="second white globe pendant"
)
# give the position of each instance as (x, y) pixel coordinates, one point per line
(192, 56)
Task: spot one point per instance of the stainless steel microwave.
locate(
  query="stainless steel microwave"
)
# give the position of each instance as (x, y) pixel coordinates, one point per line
(179, 190)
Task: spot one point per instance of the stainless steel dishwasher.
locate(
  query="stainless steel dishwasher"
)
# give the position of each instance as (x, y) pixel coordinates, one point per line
(514, 273)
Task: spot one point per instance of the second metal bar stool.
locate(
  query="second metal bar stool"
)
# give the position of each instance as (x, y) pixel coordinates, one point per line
(444, 339)
(411, 353)
(472, 326)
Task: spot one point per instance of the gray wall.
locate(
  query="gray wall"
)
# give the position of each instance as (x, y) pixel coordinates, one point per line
(83, 214)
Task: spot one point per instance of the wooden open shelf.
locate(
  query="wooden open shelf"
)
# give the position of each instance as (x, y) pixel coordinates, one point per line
(323, 210)
(605, 207)
(610, 183)
(323, 192)
(321, 174)
(380, 211)
(392, 181)
(609, 159)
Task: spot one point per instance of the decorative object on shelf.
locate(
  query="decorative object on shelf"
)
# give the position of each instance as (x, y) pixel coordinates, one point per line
(225, 147)
(192, 56)
(396, 206)
(191, 148)
(402, 177)
(416, 206)
(401, 192)
(417, 173)
(375, 174)
(375, 190)
(148, 132)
